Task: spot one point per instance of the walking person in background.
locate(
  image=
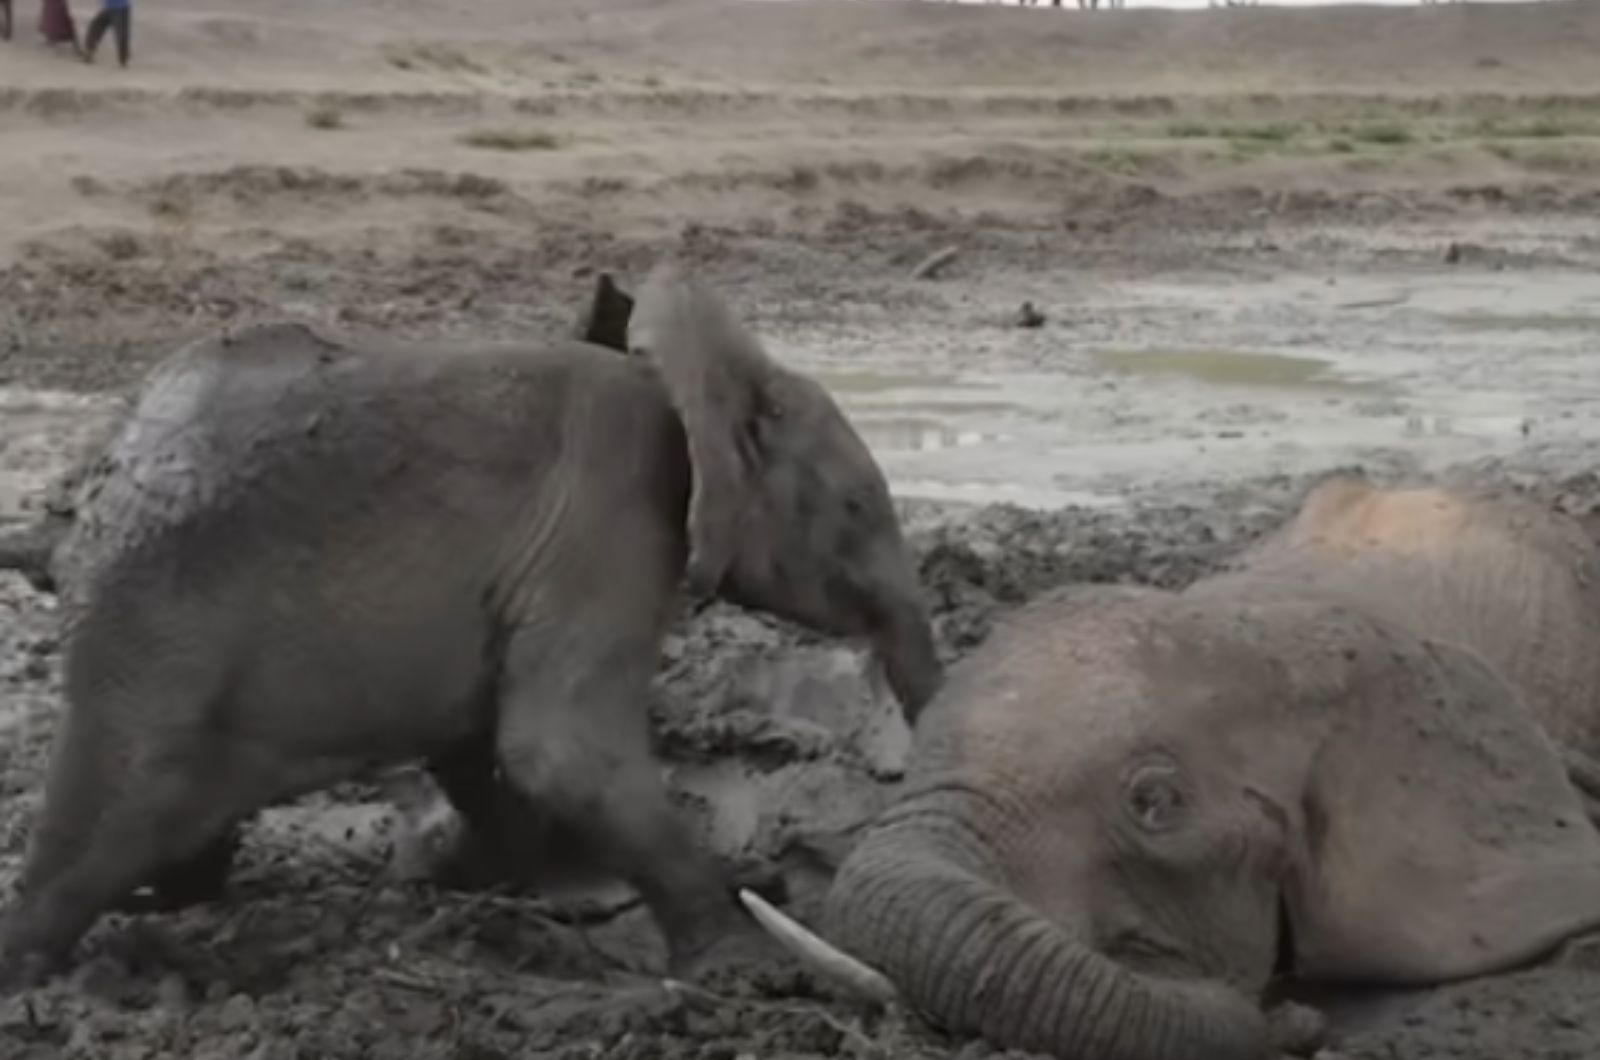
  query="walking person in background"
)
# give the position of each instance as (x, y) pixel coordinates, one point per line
(5, 19)
(56, 25)
(117, 15)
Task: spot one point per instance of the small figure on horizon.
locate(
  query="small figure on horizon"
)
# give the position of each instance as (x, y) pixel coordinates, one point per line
(5, 19)
(56, 25)
(116, 15)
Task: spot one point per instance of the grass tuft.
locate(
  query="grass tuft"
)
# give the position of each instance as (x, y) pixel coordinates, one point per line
(511, 140)
(325, 116)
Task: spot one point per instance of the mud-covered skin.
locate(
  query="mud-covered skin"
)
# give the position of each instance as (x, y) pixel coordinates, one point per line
(1475, 566)
(301, 559)
(1113, 799)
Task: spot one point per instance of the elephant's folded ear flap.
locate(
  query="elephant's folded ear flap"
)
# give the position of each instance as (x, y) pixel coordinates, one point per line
(604, 320)
(1444, 838)
(714, 372)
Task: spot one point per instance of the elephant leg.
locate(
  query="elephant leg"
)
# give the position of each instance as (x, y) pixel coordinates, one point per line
(1296, 1029)
(490, 847)
(122, 809)
(577, 745)
(503, 841)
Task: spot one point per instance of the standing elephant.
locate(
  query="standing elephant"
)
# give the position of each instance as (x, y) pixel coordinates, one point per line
(302, 558)
(1339, 761)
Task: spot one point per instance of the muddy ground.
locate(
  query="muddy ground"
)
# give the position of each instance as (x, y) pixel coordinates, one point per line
(780, 747)
(1195, 261)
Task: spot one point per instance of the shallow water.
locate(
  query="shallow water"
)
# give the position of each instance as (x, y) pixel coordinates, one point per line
(1144, 386)
(1235, 368)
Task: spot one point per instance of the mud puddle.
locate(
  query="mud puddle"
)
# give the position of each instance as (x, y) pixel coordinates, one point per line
(1109, 419)
(1140, 386)
(1235, 368)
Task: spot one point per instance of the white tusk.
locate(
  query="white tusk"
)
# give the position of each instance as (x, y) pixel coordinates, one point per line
(821, 955)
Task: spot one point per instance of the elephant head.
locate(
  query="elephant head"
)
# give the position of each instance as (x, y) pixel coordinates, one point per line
(470, 553)
(788, 513)
(1130, 810)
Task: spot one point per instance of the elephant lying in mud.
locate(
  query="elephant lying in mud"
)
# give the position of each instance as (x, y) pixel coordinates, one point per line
(1340, 762)
(304, 558)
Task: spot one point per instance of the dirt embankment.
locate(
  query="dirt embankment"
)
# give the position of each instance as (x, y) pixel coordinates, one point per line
(448, 169)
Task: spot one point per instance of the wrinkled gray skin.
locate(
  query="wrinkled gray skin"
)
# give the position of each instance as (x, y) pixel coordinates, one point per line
(1340, 762)
(302, 559)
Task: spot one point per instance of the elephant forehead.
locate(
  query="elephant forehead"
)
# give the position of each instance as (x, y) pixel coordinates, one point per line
(1342, 515)
(1102, 685)
(1499, 529)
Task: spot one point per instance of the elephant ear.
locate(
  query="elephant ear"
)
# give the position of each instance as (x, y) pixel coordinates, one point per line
(604, 320)
(716, 374)
(1442, 837)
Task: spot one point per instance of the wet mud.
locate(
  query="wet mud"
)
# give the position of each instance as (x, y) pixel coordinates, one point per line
(1100, 447)
(779, 745)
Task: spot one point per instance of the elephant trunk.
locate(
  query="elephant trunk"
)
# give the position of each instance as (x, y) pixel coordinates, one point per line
(905, 649)
(977, 961)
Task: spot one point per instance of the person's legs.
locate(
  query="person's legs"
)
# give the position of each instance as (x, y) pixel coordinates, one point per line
(5, 19)
(56, 25)
(96, 30)
(123, 24)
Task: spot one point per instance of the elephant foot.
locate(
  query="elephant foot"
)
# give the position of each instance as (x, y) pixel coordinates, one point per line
(1296, 1029)
(725, 963)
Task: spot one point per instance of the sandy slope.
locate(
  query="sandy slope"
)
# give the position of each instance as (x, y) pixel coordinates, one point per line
(853, 42)
(369, 141)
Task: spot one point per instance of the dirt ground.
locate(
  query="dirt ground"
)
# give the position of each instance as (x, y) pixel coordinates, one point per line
(1194, 260)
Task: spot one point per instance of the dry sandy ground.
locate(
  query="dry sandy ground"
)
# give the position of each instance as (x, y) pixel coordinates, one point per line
(1262, 243)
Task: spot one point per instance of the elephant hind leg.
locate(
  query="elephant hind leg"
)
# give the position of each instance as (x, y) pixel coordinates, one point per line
(117, 816)
(577, 745)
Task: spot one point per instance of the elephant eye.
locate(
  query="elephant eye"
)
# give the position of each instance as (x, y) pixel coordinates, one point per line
(1155, 796)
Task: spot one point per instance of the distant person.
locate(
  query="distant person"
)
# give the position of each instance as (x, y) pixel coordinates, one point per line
(5, 19)
(117, 15)
(56, 25)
